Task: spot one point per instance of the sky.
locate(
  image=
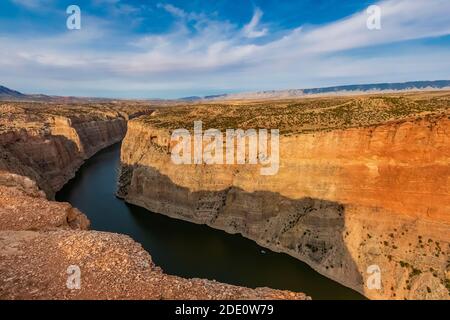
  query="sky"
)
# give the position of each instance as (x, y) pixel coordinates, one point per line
(175, 48)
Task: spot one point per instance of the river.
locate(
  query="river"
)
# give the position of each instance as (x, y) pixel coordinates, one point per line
(186, 249)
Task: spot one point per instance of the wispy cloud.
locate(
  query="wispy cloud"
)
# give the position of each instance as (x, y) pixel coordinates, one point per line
(203, 53)
(401, 20)
(177, 12)
(33, 4)
(251, 29)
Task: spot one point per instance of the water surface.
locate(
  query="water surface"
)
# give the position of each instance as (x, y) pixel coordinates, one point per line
(186, 249)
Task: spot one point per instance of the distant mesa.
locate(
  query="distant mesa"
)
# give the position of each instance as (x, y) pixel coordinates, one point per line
(192, 98)
(7, 94)
(338, 90)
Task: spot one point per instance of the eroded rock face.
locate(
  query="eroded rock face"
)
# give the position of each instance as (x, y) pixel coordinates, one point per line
(40, 149)
(343, 200)
(49, 145)
(22, 211)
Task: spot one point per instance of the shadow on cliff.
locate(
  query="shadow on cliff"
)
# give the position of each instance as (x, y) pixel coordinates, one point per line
(42, 158)
(312, 230)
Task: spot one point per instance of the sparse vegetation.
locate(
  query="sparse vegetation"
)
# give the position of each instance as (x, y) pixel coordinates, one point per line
(447, 284)
(38, 117)
(305, 115)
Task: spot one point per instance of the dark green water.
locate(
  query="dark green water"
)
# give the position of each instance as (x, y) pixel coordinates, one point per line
(186, 249)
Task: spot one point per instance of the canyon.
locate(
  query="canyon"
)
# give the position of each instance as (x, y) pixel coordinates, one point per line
(41, 148)
(363, 181)
(49, 144)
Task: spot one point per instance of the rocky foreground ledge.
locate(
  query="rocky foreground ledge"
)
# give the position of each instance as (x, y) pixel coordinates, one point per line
(41, 239)
(40, 149)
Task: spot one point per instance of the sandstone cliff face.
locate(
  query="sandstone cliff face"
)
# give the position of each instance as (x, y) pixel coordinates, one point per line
(50, 155)
(40, 149)
(342, 201)
(40, 240)
(21, 210)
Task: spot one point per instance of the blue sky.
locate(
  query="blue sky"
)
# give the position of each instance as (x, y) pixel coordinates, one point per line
(169, 49)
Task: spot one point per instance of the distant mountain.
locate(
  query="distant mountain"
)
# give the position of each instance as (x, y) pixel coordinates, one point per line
(6, 92)
(347, 89)
(193, 98)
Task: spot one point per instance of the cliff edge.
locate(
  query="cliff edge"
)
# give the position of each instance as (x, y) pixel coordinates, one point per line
(363, 185)
(42, 241)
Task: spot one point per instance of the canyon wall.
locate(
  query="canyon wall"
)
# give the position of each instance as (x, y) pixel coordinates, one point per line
(40, 240)
(52, 153)
(347, 202)
(40, 150)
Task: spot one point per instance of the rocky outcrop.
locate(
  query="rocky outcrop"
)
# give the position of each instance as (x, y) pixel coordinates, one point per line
(37, 265)
(346, 201)
(41, 241)
(23, 211)
(52, 147)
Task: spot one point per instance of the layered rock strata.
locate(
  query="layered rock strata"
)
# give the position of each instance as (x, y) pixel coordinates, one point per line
(349, 200)
(49, 145)
(41, 241)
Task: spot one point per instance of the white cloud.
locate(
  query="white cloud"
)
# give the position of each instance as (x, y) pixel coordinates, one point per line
(250, 29)
(33, 4)
(177, 12)
(219, 54)
(401, 20)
